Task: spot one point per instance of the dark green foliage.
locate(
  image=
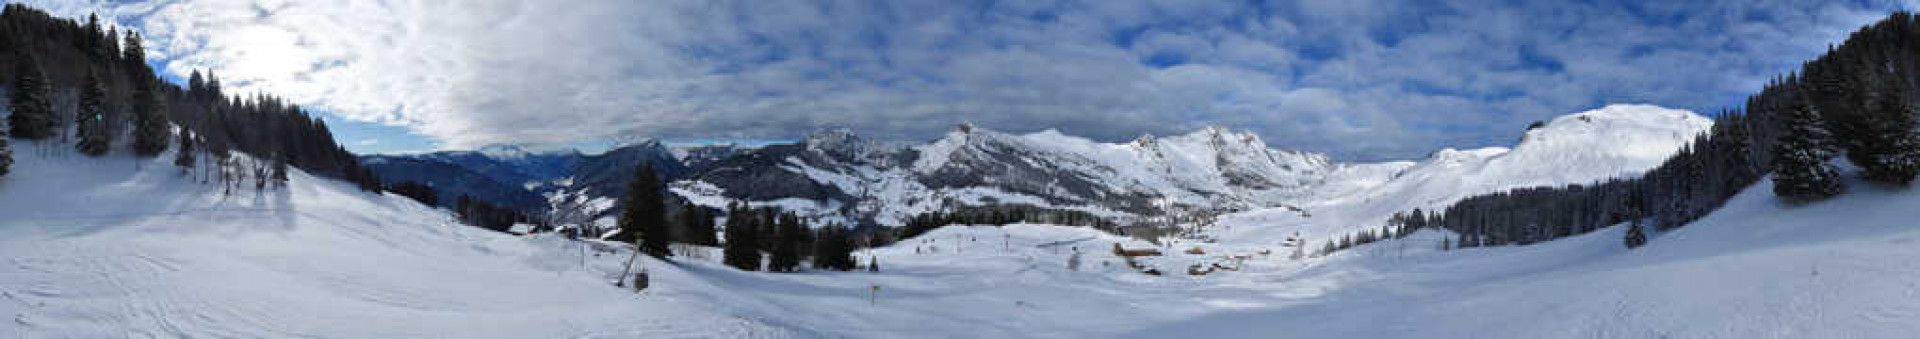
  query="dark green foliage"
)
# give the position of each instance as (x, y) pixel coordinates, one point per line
(484, 215)
(696, 225)
(1800, 169)
(416, 191)
(1886, 148)
(6, 155)
(32, 105)
(1635, 236)
(833, 248)
(1001, 215)
(90, 124)
(150, 131)
(644, 220)
(786, 251)
(742, 249)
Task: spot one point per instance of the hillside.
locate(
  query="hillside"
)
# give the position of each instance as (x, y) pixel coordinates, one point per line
(1756, 268)
(1616, 141)
(95, 248)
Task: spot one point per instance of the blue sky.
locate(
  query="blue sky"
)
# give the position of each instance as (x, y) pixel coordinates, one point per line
(1357, 79)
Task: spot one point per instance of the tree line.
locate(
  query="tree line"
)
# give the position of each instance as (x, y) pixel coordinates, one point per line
(1002, 214)
(754, 239)
(89, 85)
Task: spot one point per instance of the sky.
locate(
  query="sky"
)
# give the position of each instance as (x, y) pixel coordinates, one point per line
(1355, 79)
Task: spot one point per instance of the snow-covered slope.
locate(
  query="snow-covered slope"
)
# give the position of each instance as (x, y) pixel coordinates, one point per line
(1616, 141)
(1843, 268)
(94, 248)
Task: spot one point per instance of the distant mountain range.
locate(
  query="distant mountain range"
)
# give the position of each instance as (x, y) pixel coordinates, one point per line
(514, 177)
(837, 176)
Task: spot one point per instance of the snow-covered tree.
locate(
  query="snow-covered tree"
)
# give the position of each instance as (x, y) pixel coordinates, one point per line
(1800, 168)
(1885, 147)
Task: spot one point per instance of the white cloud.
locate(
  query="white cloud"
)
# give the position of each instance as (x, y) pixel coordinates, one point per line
(1355, 78)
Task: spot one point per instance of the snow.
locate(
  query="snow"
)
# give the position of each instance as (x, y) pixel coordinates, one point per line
(96, 248)
(1616, 141)
(1843, 268)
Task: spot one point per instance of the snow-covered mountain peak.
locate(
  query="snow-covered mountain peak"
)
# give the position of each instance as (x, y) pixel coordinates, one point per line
(1609, 142)
(1145, 140)
(1629, 131)
(840, 142)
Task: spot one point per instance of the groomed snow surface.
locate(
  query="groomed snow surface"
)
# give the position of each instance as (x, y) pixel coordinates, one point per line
(94, 248)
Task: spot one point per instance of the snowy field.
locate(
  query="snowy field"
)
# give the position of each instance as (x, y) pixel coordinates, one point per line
(94, 248)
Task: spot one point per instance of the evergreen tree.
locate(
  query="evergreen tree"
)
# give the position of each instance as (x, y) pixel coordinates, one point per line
(1800, 168)
(697, 226)
(833, 248)
(91, 122)
(645, 220)
(134, 54)
(32, 105)
(6, 154)
(1635, 236)
(786, 250)
(149, 122)
(1886, 149)
(742, 249)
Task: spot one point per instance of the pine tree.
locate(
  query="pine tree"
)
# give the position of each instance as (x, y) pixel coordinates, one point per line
(645, 220)
(6, 154)
(742, 249)
(32, 105)
(149, 122)
(1635, 235)
(91, 122)
(1800, 168)
(696, 225)
(786, 250)
(1887, 149)
(833, 248)
(134, 54)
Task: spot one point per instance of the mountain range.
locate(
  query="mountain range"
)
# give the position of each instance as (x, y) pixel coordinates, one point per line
(837, 176)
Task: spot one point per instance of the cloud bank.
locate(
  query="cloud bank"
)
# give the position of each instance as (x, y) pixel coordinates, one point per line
(1359, 79)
